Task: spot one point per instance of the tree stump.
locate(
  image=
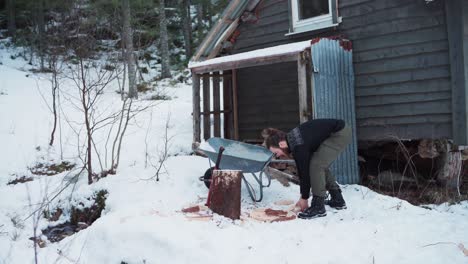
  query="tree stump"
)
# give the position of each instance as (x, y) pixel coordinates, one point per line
(450, 164)
(225, 193)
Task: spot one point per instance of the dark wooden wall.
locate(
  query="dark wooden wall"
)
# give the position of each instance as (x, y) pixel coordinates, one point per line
(268, 98)
(401, 63)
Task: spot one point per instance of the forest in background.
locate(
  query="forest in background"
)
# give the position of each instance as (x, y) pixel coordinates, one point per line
(165, 31)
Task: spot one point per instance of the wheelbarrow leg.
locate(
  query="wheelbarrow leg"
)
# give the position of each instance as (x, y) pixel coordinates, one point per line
(252, 191)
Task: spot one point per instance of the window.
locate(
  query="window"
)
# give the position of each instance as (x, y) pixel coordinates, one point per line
(310, 15)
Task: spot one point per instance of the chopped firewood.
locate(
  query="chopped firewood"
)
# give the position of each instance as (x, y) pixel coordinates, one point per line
(272, 212)
(284, 202)
(271, 215)
(192, 209)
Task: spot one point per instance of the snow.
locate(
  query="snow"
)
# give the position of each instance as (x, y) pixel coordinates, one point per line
(142, 222)
(256, 54)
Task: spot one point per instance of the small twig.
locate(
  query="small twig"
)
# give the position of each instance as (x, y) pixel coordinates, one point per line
(440, 243)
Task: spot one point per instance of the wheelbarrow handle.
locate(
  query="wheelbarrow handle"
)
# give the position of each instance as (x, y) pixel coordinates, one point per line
(218, 159)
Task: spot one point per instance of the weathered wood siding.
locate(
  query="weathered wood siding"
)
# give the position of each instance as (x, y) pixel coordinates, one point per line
(268, 97)
(401, 63)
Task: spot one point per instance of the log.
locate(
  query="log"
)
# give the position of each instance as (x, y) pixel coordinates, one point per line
(283, 177)
(225, 196)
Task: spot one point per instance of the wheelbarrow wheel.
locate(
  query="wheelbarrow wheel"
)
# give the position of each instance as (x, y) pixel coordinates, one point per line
(207, 177)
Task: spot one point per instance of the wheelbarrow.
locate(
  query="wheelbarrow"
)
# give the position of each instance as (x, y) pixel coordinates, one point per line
(248, 158)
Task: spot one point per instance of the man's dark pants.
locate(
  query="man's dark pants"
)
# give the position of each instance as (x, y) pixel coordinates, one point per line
(321, 178)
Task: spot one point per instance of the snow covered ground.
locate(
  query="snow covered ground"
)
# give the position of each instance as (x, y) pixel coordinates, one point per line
(142, 222)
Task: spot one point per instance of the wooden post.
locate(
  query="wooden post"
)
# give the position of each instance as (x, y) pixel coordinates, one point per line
(457, 28)
(302, 85)
(206, 108)
(235, 104)
(196, 107)
(216, 105)
(227, 105)
(225, 196)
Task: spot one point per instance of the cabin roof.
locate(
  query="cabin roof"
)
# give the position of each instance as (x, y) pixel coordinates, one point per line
(286, 52)
(212, 43)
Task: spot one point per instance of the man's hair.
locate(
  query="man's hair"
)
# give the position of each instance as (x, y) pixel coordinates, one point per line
(272, 137)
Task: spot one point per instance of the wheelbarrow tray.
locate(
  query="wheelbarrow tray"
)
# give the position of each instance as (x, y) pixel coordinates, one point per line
(237, 155)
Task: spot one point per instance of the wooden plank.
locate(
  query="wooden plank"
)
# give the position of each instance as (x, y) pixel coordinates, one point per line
(427, 85)
(216, 105)
(457, 24)
(400, 38)
(251, 62)
(206, 108)
(402, 76)
(400, 51)
(227, 33)
(227, 105)
(271, 28)
(369, 7)
(283, 177)
(196, 107)
(235, 104)
(376, 100)
(302, 87)
(405, 120)
(261, 42)
(403, 63)
(408, 109)
(396, 26)
(409, 9)
(411, 131)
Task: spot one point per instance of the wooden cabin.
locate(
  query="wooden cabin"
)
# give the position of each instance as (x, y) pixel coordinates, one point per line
(276, 63)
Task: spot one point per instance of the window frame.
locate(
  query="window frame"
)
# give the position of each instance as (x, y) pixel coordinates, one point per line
(312, 23)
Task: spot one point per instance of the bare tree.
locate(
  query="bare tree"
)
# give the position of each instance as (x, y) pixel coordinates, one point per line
(127, 37)
(91, 80)
(164, 42)
(54, 81)
(163, 152)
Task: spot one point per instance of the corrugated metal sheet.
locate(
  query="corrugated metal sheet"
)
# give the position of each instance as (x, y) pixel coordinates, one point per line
(333, 97)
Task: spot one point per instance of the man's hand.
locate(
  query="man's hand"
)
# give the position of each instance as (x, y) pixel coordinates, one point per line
(301, 205)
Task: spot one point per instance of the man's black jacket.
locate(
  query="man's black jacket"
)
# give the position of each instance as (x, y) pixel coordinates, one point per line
(304, 140)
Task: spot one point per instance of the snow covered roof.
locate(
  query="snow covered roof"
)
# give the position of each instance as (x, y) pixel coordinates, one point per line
(286, 52)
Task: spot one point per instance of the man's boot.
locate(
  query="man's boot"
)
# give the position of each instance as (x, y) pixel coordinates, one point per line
(336, 201)
(316, 209)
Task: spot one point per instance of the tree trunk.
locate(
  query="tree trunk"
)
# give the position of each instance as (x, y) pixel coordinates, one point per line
(187, 27)
(127, 38)
(208, 13)
(54, 84)
(10, 6)
(41, 30)
(164, 44)
(225, 193)
(199, 23)
(85, 103)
